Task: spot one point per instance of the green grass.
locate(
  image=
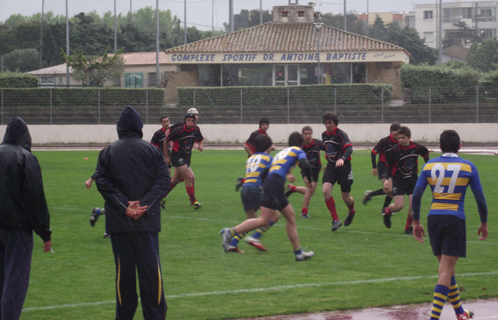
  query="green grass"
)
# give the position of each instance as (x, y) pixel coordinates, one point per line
(363, 265)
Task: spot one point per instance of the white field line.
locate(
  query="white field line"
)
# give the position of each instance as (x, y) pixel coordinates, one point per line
(278, 225)
(277, 288)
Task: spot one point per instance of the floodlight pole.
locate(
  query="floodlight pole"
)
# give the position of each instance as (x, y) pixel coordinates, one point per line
(157, 43)
(318, 26)
(41, 34)
(115, 30)
(67, 44)
(185, 21)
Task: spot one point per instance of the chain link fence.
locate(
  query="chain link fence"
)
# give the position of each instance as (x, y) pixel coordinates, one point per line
(293, 105)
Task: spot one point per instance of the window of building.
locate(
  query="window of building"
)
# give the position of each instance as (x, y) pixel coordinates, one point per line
(359, 73)
(300, 13)
(134, 80)
(286, 74)
(247, 75)
(487, 33)
(428, 15)
(151, 79)
(337, 73)
(284, 13)
(429, 37)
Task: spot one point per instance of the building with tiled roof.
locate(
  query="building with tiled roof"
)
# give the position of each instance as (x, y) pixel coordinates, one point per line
(140, 71)
(290, 50)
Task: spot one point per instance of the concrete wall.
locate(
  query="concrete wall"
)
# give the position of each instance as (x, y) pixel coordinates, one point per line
(237, 134)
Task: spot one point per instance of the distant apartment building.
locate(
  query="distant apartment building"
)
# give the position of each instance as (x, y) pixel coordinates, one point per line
(477, 15)
(387, 17)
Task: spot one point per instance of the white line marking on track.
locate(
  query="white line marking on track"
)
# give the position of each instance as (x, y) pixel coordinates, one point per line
(277, 288)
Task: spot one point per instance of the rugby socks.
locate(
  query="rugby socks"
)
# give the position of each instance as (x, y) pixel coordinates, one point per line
(387, 201)
(304, 211)
(454, 297)
(388, 211)
(191, 194)
(260, 231)
(351, 209)
(440, 295)
(298, 251)
(409, 222)
(377, 193)
(291, 188)
(236, 239)
(331, 206)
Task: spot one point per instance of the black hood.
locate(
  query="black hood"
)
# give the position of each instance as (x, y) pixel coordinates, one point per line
(130, 124)
(17, 133)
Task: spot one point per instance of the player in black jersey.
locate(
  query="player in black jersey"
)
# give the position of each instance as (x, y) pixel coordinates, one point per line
(379, 169)
(161, 134)
(402, 169)
(338, 150)
(183, 139)
(312, 147)
(264, 124)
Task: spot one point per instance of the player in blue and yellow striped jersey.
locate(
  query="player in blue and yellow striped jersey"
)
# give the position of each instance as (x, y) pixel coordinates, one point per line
(257, 167)
(448, 176)
(274, 199)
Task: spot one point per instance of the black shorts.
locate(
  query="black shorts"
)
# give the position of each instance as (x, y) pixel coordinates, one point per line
(402, 186)
(251, 197)
(274, 197)
(315, 172)
(381, 170)
(448, 235)
(178, 160)
(342, 175)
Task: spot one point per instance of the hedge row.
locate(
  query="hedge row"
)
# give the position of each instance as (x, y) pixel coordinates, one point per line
(447, 84)
(17, 80)
(306, 95)
(83, 97)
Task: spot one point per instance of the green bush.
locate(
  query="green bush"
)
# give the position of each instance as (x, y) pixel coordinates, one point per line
(17, 80)
(306, 95)
(447, 84)
(83, 97)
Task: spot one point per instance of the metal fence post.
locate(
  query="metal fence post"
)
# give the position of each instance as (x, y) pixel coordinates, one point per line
(477, 104)
(382, 105)
(194, 98)
(50, 105)
(335, 100)
(2, 106)
(147, 106)
(430, 106)
(98, 106)
(288, 106)
(241, 109)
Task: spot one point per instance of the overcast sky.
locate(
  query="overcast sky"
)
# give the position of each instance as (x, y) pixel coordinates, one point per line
(199, 12)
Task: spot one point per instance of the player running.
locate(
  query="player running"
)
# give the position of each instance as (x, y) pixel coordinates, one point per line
(448, 176)
(183, 138)
(274, 199)
(312, 147)
(402, 169)
(257, 167)
(385, 144)
(338, 150)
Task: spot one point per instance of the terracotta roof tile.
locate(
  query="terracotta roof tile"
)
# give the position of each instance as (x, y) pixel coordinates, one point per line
(285, 37)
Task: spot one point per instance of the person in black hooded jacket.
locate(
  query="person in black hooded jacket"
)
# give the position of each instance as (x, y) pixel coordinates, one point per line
(23, 208)
(133, 177)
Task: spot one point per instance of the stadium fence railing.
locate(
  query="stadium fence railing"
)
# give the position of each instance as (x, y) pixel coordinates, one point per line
(291, 105)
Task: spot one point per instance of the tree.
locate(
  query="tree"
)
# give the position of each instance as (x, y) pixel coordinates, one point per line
(96, 70)
(337, 21)
(22, 60)
(378, 30)
(246, 19)
(484, 56)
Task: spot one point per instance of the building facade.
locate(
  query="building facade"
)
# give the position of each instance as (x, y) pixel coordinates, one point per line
(293, 49)
(478, 16)
(140, 72)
